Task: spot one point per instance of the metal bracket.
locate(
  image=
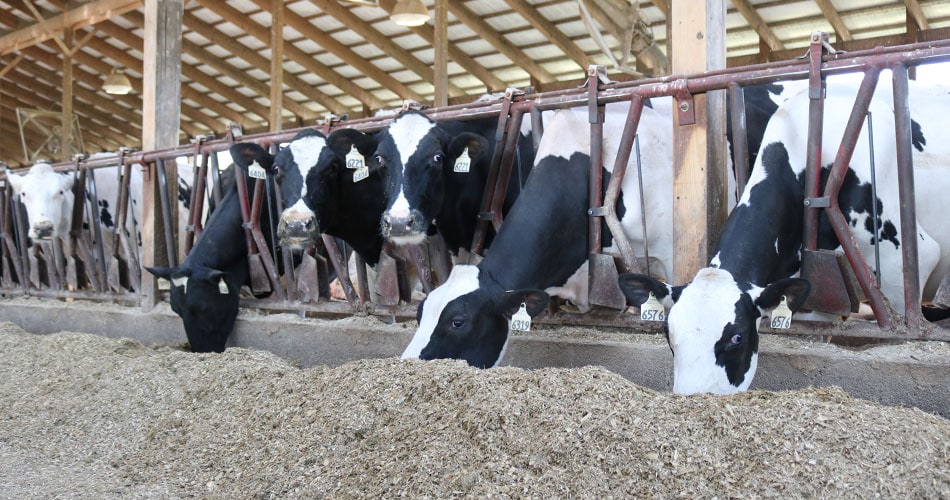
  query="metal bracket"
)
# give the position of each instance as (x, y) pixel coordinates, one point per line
(235, 132)
(685, 105)
(820, 202)
(598, 212)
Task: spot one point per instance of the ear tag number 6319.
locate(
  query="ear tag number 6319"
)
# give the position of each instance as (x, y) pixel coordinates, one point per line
(781, 317)
(652, 310)
(521, 320)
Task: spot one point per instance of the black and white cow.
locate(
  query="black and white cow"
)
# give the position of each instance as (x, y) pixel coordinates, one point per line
(542, 247)
(419, 159)
(713, 320)
(325, 196)
(206, 286)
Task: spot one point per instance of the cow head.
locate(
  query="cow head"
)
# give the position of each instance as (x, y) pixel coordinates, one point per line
(712, 325)
(206, 300)
(48, 198)
(413, 152)
(468, 318)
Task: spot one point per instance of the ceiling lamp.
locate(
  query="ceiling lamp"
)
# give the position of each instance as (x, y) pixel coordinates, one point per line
(409, 13)
(117, 83)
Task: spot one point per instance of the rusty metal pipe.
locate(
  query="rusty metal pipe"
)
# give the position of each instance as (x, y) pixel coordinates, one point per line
(616, 181)
(740, 142)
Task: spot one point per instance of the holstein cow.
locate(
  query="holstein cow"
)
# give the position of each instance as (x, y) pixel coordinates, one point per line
(206, 286)
(542, 246)
(428, 178)
(324, 195)
(713, 321)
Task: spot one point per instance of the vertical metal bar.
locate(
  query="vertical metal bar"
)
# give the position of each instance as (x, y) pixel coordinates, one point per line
(740, 142)
(627, 140)
(216, 178)
(816, 110)
(874, 214)
(908, 202)
(537, 127)
(595, 115)
(96, 225)
(338, 262)
(22, 240)
(166, 214)
(245, 209)
(507, 163)
(481, 228)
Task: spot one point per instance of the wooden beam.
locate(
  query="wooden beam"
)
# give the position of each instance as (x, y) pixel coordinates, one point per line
(440, 70)
(551, 33)
(699, 152)
(663, 5)
(914, 10)
(758, 24)
(276, 65)
(492, 83)
(250, 27)
(831, 14)
(87, 14)
(508, 49)
(67, 105)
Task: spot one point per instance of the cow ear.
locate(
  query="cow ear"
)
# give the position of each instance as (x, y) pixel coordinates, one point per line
(476, 144)
(245, 154)
(15, 180)
(160, 272)
(343, 140)
(67, 181)
(637, 288)
(535, 301)
(795, 291)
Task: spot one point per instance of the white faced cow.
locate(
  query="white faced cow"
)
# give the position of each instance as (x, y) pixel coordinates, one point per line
(713, 321)
(48, 198)
(542, 245)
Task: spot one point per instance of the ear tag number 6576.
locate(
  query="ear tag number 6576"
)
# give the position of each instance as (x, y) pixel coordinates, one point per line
(652, 310)
(781, 317)
(521, 320)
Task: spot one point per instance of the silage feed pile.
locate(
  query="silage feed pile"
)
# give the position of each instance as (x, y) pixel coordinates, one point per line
(82, 415)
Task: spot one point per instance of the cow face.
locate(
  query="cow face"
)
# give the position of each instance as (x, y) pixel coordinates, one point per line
(207, 302)
(713, 325)
(469, 320)
(411, 152)
(48, 198)
(298, 227)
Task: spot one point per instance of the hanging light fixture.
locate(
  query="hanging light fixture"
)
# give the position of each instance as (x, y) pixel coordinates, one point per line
(117, 83)
(409, 13)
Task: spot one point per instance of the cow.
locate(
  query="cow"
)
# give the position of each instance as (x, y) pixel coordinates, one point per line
(205, 288)
(542, 247)
(323, 195)
(713, 320)
(437, 172)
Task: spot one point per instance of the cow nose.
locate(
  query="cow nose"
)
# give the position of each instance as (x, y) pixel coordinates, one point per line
(297, 234)
(43, 229)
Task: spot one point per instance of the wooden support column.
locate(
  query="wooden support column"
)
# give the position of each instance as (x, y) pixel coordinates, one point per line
(699, 152)
(67, 139)
(161, 114)
(440, 77)
(276, 65)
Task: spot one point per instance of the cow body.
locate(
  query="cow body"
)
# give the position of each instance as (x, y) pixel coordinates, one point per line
(418, 158)
(542, 246)
(206, 286)
(324, 196)
(713, 321)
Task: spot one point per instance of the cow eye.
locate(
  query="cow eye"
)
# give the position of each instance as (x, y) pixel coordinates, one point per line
(437, 158)
(378, 158)
(736, 339)
(457, 323)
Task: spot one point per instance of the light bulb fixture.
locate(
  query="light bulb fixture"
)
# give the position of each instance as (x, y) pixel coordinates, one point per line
(117, 83)
(409, 13)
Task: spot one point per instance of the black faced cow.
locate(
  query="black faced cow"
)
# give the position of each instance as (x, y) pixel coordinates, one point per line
(325, 196)
(428, 177)
(713, 321)
(206, 286)
(542, 245)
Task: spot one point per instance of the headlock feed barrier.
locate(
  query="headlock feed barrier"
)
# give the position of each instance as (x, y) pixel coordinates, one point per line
(91, 263)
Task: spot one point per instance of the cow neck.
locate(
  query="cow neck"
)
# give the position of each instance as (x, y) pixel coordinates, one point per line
(761, 240)
(355, 218)
(222, 240)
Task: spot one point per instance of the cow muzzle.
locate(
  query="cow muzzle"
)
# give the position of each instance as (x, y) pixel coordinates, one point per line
(404, 230)
(298, 234)
(42, 230)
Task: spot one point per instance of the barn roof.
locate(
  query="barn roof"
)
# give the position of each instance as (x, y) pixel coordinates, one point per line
(345, 56)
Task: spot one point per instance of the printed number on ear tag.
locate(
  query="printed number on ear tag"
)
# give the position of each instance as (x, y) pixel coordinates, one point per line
(360, 174)
(355, 160)
(256, 171)
(781, 316)
(463, 163)
(652, 310)
(223, 287)
(521, 321)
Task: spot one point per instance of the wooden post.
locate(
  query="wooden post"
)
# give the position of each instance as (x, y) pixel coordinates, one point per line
(161, 114)
(276, 65)
(440, 76)
(699, 152)
(67, 138)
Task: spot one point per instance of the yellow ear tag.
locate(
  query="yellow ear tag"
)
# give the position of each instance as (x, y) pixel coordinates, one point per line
(182, 282)
(652, 310)
(781, 317)
(223, 287)
(463, 162)
(360, 174)
(256, 171)
(521, 320)
(355, 160)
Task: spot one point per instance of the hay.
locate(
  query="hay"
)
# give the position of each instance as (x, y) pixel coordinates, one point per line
(87, 416)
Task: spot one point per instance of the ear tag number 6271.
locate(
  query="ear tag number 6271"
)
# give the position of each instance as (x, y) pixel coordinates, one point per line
(521, 320)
